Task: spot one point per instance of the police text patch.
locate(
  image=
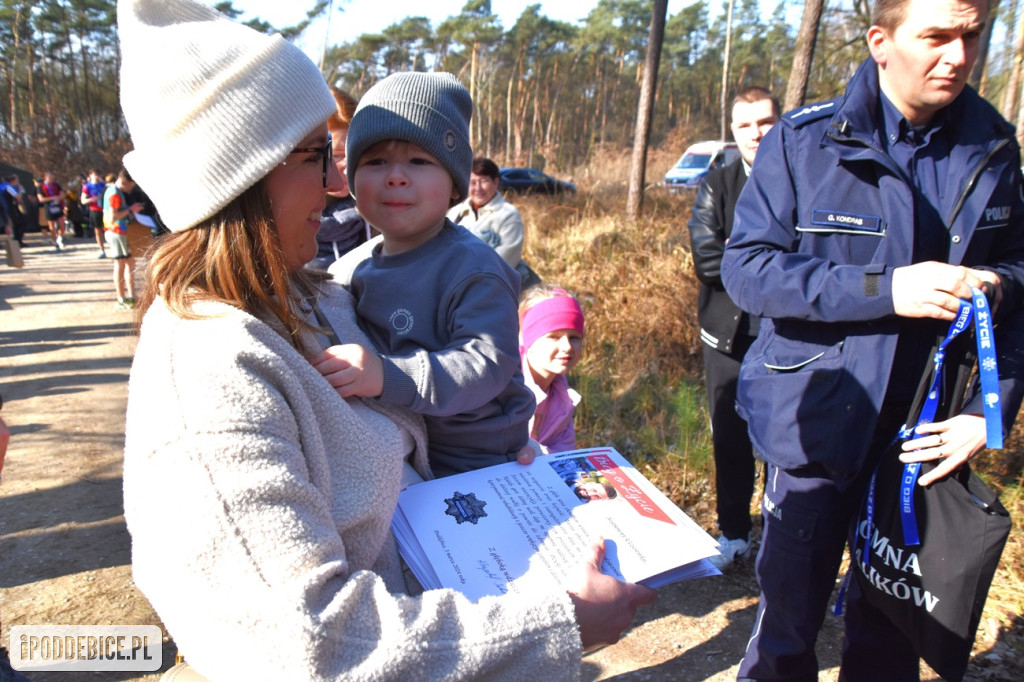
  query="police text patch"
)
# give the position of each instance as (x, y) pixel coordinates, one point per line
(994, 216)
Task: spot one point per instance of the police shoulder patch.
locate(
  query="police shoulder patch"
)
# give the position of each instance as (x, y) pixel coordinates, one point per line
(812, 112)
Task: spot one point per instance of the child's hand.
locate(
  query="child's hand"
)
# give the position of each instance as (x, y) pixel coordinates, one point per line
(529, 452)
(352, 370)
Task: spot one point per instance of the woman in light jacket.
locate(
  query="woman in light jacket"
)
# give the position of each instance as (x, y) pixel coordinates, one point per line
(258, 500)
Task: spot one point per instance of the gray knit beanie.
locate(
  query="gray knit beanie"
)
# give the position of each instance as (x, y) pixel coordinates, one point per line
(431, 110)
(212, 106)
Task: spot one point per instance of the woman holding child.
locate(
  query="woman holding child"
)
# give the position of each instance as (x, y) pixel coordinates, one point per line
(258, 499)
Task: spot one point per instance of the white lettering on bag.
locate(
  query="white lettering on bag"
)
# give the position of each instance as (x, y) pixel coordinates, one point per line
(897, 589)
(891, 556)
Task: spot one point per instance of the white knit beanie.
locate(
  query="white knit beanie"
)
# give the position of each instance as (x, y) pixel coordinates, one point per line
(431, 110)
(212, 106)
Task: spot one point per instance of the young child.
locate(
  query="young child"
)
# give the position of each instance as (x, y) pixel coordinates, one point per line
(438, 303)
(552, 332)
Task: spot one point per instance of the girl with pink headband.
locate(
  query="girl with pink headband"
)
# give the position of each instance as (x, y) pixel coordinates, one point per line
(551, 343)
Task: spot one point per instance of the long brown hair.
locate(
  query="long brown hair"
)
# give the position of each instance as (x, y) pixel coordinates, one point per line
(234, 257)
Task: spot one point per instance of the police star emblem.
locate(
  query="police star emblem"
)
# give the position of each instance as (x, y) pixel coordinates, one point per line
(465, 507)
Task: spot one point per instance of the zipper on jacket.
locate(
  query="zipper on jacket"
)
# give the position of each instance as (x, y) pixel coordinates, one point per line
(962, 199)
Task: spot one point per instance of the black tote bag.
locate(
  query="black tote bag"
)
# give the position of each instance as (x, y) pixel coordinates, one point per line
(934, 592)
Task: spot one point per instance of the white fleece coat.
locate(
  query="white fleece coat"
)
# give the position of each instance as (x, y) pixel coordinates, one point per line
(259, 504)
(497, 222)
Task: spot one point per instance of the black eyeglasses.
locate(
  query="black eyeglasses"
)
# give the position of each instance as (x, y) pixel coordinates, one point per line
(324, 151)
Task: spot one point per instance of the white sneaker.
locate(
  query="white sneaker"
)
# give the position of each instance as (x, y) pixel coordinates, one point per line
(730, 551)
(60, 242)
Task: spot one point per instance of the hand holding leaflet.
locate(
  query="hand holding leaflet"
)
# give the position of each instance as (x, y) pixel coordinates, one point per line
(513, 527)
(605, 606)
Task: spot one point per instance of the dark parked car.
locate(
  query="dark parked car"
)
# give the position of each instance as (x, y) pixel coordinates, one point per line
(531, 181)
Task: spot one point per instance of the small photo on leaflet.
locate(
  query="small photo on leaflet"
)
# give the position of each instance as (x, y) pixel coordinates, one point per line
(584, 479)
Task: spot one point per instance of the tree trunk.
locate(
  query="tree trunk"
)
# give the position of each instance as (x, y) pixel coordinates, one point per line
(796, 89)
(508, 107)
(534, 120)
(1011, 100)
(90, 115)
(30, 60)
(645, 109)
(76, 106)
(725, 71)
(602, 103)
(16, 26)
(327, 34)
(977, 72)
(472, 95)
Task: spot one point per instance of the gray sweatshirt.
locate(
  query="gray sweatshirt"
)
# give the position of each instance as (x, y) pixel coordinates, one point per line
(444, 318)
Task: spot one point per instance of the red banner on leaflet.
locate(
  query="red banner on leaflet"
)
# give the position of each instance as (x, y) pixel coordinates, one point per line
(627, 489)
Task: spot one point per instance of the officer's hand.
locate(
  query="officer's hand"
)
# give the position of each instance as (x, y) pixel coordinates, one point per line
(933, 289)
(954, 442)
(992, 286)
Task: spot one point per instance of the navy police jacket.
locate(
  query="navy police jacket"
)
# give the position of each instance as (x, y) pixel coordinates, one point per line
(822, 222)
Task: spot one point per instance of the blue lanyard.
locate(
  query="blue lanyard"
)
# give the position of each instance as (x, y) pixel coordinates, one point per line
(976, 309)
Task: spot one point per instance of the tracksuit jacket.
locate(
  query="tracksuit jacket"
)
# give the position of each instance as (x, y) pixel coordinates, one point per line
(823, 221)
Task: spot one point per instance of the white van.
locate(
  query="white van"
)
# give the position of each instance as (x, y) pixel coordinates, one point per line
(699, 159)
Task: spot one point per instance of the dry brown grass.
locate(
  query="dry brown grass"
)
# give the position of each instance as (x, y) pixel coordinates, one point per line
(640, 376)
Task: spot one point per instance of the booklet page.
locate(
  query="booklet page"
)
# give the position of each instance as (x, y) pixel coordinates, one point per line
(515, 528)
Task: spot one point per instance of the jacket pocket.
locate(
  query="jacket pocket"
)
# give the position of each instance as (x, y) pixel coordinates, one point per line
(802, 351)
(790, 395)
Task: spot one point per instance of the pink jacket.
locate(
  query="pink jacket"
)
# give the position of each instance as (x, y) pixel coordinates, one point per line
(556, 408)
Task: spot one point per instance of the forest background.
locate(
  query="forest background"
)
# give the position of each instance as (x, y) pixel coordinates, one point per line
(563, 98)
(549, 94)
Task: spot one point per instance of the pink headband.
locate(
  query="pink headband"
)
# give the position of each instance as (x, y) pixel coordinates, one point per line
(550, 315)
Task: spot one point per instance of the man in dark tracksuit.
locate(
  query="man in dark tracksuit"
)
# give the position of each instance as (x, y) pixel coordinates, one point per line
(864, 221)
(727, 331)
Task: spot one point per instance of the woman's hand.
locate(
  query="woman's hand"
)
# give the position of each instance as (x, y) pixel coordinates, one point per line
(605, 606)
(352, 370)
(955, 441)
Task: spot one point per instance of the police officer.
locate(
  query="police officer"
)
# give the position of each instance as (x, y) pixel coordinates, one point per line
(863, 222)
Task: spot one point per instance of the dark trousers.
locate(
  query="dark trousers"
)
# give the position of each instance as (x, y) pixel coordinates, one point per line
(18, 228)
(807, 519)
(735, 467)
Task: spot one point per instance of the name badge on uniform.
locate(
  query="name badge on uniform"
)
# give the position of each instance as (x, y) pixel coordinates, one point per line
(843, 221)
